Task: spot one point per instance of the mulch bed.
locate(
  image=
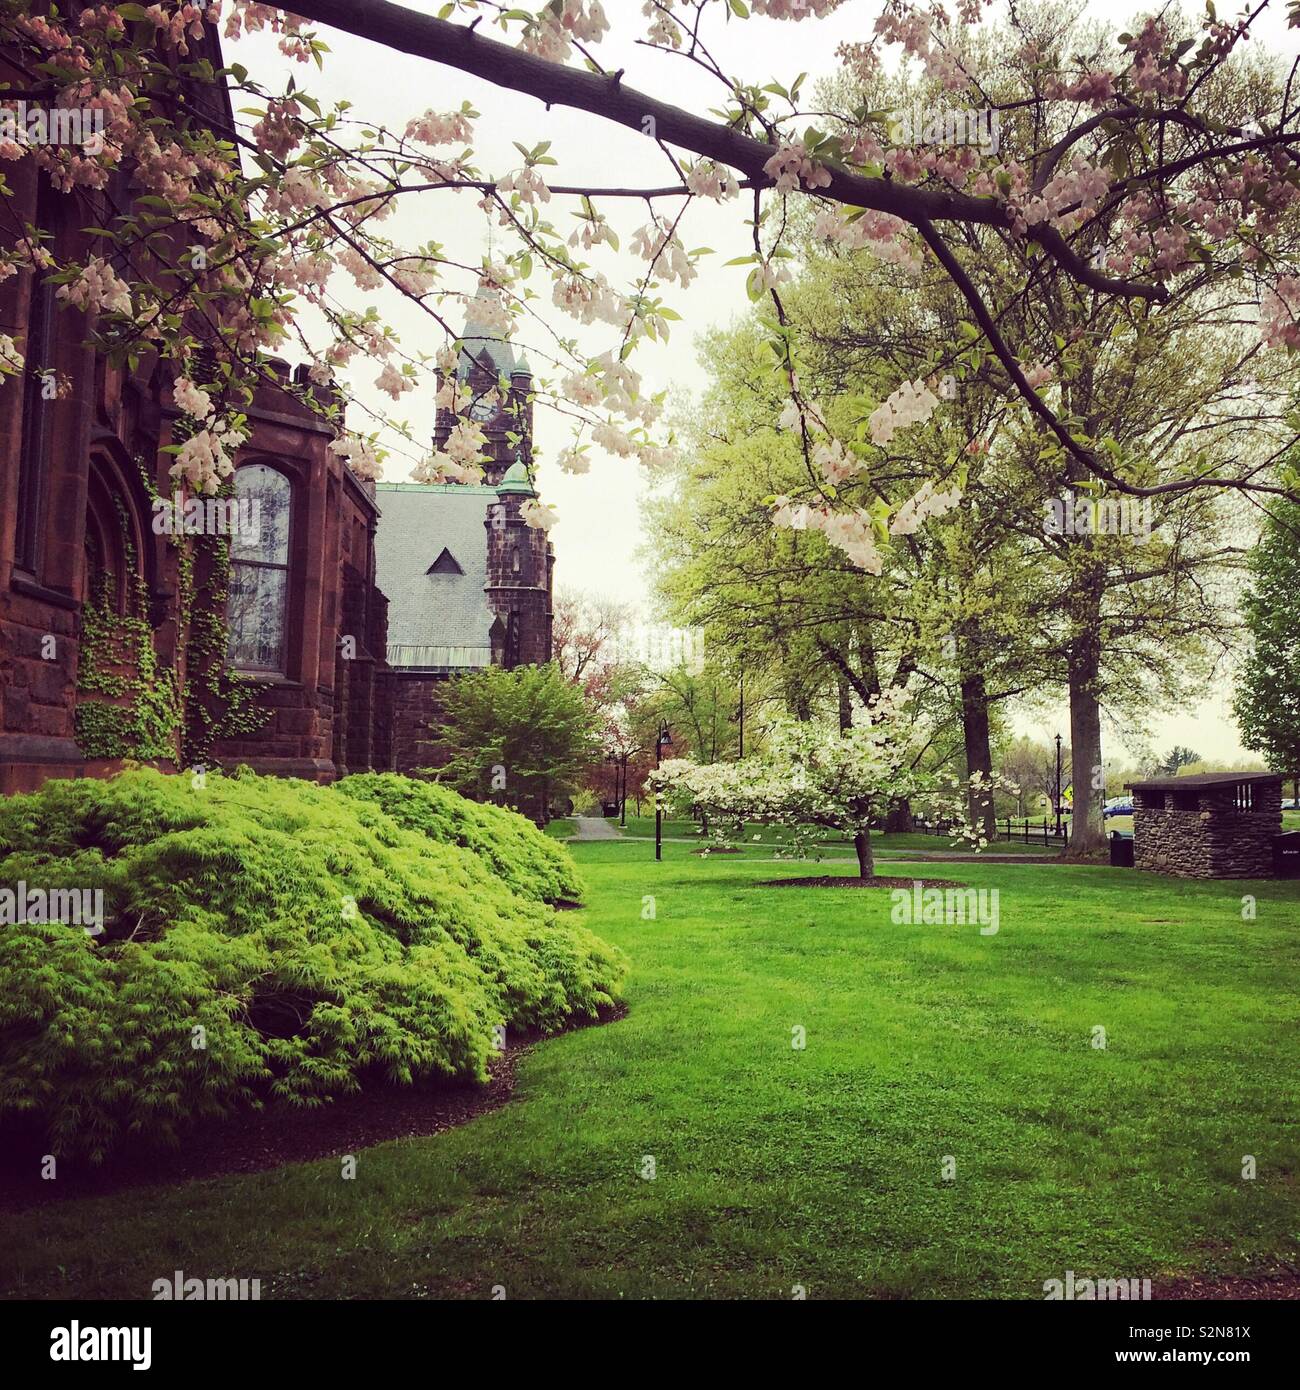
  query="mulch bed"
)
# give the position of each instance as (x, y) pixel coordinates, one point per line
(272, 1137)
(1279, 1284)
(839, 881)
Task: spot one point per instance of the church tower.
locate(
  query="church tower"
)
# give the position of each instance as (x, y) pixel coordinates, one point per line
(520, 559)
(500, 383)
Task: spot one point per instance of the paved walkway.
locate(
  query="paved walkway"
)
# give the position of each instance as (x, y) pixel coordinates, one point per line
(594, 828)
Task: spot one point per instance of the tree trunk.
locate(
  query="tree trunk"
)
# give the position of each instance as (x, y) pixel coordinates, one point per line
(979, 753)
(862, 845)
(1086, 835)
(900, 821)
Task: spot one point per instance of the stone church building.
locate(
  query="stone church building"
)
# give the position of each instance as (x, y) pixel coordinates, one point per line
(469, 583)
(314, 649)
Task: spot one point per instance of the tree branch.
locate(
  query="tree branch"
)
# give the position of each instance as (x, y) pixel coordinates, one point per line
(456, 46)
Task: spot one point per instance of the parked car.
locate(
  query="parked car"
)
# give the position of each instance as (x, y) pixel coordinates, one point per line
(1117, 806)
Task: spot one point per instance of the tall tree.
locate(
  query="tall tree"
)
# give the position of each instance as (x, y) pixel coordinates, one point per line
(517, 738)
(1267, 703)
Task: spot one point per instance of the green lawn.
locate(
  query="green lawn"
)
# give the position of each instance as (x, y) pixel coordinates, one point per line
(821, 1167)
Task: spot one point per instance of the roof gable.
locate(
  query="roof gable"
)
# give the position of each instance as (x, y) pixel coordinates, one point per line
(446, 563)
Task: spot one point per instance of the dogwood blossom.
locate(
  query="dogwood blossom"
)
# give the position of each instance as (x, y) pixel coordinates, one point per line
(439, 467)
(11, 357)
(707, 179)
(574, 459)
(434, 129)
(1279, 324)
(791, 167)
(813, 775)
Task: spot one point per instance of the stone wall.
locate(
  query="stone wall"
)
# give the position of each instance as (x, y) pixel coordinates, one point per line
(415, 707)
(1213, 840)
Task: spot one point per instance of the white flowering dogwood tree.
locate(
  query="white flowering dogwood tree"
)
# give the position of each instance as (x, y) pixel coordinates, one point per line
(812, 777)
(1129, 181)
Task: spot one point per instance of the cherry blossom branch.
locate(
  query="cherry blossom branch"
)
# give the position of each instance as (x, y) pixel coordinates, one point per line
(454, 45)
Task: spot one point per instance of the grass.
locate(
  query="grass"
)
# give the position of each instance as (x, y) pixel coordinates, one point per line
(775, 1166)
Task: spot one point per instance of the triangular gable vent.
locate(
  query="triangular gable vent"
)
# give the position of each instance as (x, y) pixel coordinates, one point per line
(446, 563)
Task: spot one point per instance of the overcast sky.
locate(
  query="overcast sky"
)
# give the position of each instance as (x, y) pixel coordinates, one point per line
(599, 534)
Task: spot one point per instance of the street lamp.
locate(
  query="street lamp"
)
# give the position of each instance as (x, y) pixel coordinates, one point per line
(612, 759)
(1058, 786)
(662, 740)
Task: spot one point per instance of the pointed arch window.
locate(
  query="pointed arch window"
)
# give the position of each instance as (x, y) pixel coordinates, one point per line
(257, 610)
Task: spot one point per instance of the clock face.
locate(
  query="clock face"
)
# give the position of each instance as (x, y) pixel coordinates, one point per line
(482, 409)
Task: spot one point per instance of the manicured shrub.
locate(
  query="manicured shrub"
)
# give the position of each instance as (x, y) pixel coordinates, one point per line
(511, 844)
(266, 938)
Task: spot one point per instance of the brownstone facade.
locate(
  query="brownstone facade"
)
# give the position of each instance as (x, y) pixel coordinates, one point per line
(1216, 825)
(103, 619)
(93, 599)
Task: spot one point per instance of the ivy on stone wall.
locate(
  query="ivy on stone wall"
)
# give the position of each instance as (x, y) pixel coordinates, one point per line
(144, 709)
(222, 704)
(139, 715)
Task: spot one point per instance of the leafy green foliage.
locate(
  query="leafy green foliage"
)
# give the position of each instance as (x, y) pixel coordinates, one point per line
(517, 737)
(529, 863)
(268, 938)
(1268, 700)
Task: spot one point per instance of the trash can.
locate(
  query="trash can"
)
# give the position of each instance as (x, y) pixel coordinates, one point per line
(609, 808)
(1121, 849)
(1286, 854)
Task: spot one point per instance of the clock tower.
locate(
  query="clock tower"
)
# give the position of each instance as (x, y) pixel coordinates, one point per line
(520, 560)
(500, 382)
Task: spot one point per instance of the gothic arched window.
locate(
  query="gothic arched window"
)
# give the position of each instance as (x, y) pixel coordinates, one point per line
(259, 570)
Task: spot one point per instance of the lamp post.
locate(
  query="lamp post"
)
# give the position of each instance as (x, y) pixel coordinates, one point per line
(622, 800)
(1058, 786)
(662, 740)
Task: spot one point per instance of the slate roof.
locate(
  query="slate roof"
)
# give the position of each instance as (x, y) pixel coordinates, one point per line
(435, 621)
(1200, 781)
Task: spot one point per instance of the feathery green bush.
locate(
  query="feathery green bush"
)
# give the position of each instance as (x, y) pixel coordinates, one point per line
(268, 938)
(517, 852)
